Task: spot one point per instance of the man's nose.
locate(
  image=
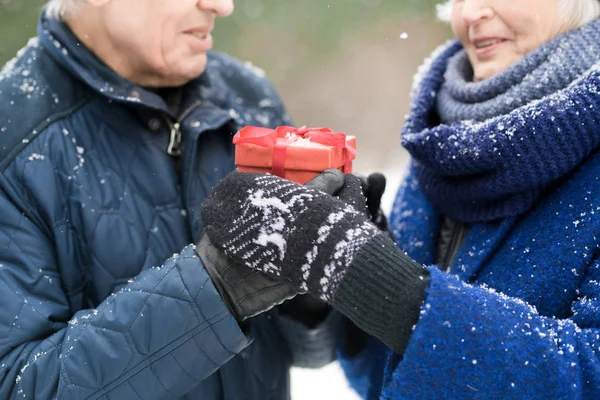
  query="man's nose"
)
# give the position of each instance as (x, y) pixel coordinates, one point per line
(222, 8)
(475, 11)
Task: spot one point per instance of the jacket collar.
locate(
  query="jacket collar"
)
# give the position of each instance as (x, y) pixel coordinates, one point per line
(66, 49)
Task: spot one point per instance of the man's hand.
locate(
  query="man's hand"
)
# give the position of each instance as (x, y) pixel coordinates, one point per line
(246, 292)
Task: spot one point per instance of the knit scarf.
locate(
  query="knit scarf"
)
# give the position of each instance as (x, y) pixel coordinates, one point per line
(487, 150)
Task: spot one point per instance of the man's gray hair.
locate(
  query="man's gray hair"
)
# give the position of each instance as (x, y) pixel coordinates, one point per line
(60, 8)
(576, 13)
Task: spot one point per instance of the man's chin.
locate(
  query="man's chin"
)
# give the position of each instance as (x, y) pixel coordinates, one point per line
(182, 75)
(193, 67)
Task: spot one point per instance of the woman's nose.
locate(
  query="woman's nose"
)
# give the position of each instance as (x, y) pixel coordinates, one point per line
(475, 11)
(222, 8)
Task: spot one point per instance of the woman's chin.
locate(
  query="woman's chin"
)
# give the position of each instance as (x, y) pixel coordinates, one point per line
(487, 72)
(490, 68)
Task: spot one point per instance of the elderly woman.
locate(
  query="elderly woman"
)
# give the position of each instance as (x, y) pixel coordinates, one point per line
(492, 289)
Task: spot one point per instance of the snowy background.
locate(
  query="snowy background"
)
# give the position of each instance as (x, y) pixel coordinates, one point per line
(323, 384)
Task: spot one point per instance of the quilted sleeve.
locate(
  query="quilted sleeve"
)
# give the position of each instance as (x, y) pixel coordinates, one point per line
(157, 338)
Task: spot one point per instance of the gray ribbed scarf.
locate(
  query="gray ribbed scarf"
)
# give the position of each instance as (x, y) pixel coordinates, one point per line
(546, 70)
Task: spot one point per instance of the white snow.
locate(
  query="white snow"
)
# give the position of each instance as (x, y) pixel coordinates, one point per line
(321, 384)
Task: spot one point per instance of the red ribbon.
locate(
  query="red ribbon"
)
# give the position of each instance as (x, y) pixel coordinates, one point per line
(281, 137)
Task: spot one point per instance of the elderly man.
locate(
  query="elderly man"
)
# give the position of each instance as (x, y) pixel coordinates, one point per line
(115, 122)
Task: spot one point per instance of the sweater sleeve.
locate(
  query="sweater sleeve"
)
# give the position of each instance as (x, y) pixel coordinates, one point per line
(158, 337)
(470, 341)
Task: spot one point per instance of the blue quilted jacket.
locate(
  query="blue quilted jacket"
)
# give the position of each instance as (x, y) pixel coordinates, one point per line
(101, 293)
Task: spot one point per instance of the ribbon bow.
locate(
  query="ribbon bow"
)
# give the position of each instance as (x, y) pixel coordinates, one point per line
(281, 137)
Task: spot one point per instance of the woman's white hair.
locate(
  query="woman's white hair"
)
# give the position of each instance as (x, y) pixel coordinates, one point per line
(60, 8)
(576, 13)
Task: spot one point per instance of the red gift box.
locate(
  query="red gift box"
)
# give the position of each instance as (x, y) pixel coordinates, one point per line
(295, 154)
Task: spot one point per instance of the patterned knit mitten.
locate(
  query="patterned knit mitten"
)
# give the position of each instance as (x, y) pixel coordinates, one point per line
(285, 229)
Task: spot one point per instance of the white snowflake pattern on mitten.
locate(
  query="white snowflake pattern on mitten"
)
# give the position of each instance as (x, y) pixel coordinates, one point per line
(285, 229)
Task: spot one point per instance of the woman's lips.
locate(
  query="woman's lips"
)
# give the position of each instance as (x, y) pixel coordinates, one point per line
(485, 47)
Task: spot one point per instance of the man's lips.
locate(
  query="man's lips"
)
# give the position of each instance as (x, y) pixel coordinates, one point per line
(199, 32)
(201, 39)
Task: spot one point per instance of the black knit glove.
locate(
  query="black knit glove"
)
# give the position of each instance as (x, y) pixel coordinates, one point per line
(285, 229)
(351, 189)
(373, 187)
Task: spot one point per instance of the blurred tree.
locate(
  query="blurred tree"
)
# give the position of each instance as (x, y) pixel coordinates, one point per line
(323, 24)
(345, 64)
(320, 24)
(18, 22)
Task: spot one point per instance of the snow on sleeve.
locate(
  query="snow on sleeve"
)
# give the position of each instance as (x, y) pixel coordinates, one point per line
(472, 341)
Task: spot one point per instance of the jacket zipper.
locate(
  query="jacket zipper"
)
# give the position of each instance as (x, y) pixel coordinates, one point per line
(459, 230)
(174, 148)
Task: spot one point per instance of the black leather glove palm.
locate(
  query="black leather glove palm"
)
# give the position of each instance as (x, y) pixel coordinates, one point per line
(246, 292)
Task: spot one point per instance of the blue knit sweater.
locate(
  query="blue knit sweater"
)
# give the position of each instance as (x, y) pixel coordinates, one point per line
(517, 316)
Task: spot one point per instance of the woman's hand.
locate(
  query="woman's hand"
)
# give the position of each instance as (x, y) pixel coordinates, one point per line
(288, 230)
(322, 245)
